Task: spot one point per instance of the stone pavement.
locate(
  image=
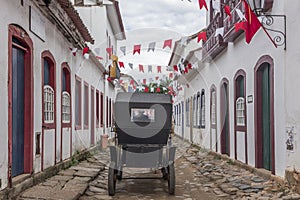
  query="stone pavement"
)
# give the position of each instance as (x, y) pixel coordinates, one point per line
(199, 175)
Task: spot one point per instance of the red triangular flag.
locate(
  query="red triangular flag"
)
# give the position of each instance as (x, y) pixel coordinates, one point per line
(170, 75)
(85, 50)
(175, 68)
(158, 69)
(190, 66)
(253, 24)
(157, 77)
(185, 70)
(202, 36)
(240, 26)
(146, 89)
(109, 79)
(141, 68)
(137, 48)
(131, 82)
(168, 43)
(144, 81)
(202, 3)
(227, 10)
(109, 51)
(187, 85)
(158, 89)
(121, 64)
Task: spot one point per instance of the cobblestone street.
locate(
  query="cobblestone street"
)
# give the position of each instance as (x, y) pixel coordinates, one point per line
(199, 175)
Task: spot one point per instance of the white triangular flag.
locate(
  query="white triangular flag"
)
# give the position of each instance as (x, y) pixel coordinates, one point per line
(140, 87)
(216, 5)
(240, 14)
(183, 41)
(219, 31)
(86, 56)
(152, 89)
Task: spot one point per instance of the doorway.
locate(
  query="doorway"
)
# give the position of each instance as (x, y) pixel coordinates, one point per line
(225, 137)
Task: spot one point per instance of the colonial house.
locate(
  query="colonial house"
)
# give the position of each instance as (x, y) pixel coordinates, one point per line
(241, 99)
(103, 19)
(55, 102)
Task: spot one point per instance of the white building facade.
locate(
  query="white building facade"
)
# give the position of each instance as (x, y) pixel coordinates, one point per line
(54, 104)
(242, 99)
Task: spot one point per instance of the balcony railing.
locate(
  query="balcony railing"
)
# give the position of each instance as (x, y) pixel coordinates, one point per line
(229, 30)
(216, 44)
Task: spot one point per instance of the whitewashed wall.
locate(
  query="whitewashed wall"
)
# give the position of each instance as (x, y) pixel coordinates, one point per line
(59, 46)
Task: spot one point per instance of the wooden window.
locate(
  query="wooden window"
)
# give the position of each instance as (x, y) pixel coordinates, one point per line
(86, 105)
(240, 111)
(48, 89)
(202, 110)
(66, 96)
(106, 111)
(78, 103)
(66, 107)
(213, 107)
(48, 104)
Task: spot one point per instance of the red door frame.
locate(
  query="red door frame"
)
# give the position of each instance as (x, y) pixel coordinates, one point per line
(20, 34)
(92, 115)
(213, 126)
(65, 67)
(50, 58)
(258, 111)
(240, 128)
(222, 118)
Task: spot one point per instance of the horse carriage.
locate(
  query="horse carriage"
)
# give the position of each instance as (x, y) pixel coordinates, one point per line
(143, 123)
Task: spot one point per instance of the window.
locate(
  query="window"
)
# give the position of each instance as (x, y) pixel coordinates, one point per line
(48, 104)
(66, 96)
(78, 103)
(102, 110)
(86, 105)
(106, 111)
(202, 110)
(142, 115)
(179, 115)
(109, 116)
(194, 112)
(97, 108)
(213, 107)
(66, 107)
(198, 108)
(187, 112)
(48, 88)
(240, 111)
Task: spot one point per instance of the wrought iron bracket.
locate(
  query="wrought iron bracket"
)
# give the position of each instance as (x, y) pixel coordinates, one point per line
(277, 36)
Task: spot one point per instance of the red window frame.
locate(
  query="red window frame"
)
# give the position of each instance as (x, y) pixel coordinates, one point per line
(67, 71)
(46, 55)
(86, 106)
(78, 125)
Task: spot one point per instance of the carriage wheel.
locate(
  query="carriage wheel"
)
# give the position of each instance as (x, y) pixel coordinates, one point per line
(112, 179)
(171, 178)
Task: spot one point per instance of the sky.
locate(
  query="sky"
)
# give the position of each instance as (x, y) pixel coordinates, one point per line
(147, 21)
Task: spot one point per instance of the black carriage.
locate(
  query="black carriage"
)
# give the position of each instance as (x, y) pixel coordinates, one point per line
(143, 123)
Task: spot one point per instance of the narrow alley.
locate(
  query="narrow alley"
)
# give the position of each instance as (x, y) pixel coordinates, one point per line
(199, 175)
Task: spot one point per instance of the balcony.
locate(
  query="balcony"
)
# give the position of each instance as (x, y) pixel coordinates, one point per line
(229, 30)
(216, 44)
